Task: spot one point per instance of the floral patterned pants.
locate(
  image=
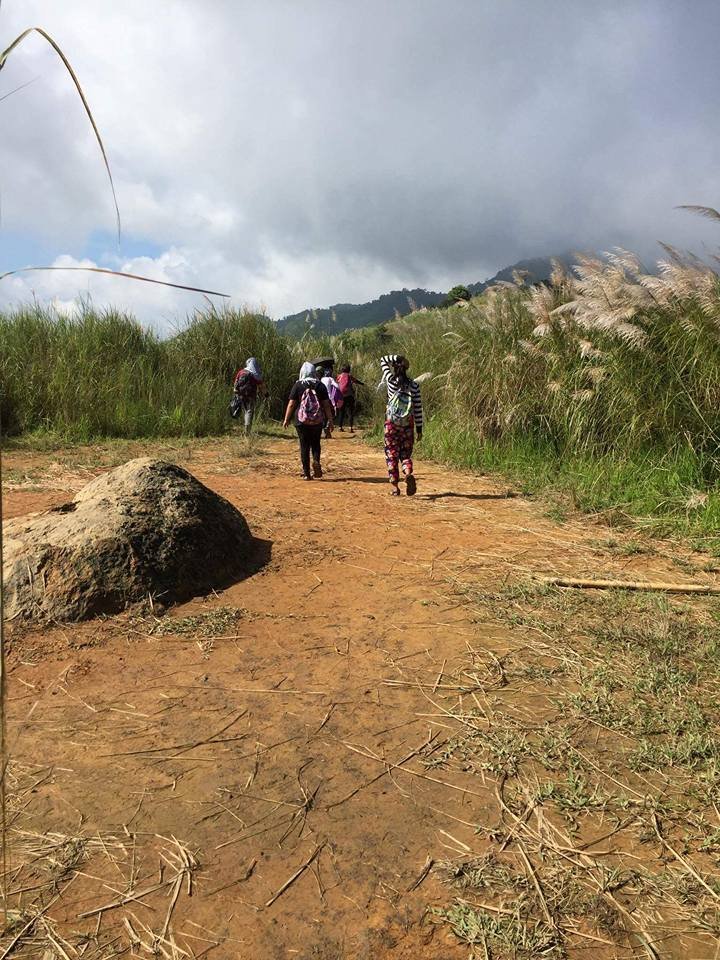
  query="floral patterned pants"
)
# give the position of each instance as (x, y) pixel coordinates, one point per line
(398, 449)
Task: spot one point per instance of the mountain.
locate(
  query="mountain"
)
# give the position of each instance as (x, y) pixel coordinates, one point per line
(346, 316)
(538, 270)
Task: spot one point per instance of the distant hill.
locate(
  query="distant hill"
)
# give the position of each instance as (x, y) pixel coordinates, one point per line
(346, 316)
(538, 270)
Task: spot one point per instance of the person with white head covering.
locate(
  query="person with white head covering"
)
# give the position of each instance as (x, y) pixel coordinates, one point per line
(246, 387)
(334, 392)
(310, 403)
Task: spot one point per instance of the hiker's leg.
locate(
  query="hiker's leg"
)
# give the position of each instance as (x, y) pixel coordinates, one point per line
(316, 443)
(341, 418)
(407, 441)
(392, 451)
(350, 404)
(249, 414)
(302, 432)
(316, 449)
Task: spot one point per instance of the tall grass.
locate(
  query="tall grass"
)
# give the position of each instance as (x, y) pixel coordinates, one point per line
(101, 374)
(610, 359)
(604, 382)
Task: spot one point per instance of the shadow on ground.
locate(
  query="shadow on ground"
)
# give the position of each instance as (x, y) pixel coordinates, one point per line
(327, 479)
(510, 495)
(259, 556)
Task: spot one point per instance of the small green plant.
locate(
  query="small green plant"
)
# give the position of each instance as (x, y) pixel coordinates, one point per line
(507, 936)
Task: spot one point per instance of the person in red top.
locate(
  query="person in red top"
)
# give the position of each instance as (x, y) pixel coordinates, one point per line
(346, 381)
(248, 385)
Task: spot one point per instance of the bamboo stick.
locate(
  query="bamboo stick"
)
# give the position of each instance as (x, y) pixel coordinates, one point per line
(630, 585)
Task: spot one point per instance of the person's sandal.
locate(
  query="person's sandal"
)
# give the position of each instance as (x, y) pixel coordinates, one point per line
(317, 469)
(394, 492)
(410, 485)
(306, 476)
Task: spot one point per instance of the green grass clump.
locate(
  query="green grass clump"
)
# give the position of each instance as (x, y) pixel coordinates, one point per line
(101, 374)
(603, 385)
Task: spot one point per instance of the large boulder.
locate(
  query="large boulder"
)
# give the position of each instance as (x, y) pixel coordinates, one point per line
(146, 528)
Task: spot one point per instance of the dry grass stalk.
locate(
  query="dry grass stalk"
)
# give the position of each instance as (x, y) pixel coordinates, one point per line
(298, 873)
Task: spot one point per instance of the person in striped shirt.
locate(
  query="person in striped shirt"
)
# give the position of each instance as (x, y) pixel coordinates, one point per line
(403, 420)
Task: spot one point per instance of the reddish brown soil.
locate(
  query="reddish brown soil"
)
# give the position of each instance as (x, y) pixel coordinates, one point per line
(356, 591)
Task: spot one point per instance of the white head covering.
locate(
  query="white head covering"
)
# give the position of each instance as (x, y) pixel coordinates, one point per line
(307, 371)
(252, 365)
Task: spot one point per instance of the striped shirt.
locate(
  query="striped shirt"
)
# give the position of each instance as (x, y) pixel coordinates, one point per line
(395, 384)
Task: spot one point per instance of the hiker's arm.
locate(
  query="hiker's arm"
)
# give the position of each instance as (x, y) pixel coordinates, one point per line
(329, 413)
(360, 383)
(289, 412)
(386, 363)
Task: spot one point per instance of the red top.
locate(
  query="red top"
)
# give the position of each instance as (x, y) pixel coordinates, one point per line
(346, 382)
(255, 382)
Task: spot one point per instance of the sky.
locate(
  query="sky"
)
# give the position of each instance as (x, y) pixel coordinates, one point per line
(297, 154)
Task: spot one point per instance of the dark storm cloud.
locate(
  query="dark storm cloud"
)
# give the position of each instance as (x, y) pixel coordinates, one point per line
(302, 152)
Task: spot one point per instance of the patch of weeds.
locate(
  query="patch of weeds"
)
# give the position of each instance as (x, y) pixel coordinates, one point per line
(483, 873)
(241, 448)
(687, 566)
(214, 623)
(573, 795)
(526, 590)
(524, 922)
(693, 749)
(559, 512)
(503, 935)
(629, 548)
(498, 751)
(554, 747)
(29, 478)
(710, 843)
(596, 698)
(541, 672)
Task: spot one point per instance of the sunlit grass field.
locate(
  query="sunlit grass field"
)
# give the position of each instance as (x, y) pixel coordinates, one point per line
(602, 386)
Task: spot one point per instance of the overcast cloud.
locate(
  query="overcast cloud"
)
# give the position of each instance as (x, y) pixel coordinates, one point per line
(303, 152)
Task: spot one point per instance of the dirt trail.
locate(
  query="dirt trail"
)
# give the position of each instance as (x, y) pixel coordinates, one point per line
(264, 749)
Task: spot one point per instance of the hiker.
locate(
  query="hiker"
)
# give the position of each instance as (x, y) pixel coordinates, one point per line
(310, 402)
(334, 393)
(247, 385)
(403, 418)
(326, 364)
(347, 382)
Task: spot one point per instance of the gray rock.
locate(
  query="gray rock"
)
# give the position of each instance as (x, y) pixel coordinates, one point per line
(146, 528)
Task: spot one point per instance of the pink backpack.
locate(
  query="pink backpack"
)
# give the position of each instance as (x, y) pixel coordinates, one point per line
(310, 412)
(336, 397)
(345, 383)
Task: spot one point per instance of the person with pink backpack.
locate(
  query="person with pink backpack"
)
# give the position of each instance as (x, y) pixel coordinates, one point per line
(334, 393)
(310, 403)
(347, 383)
